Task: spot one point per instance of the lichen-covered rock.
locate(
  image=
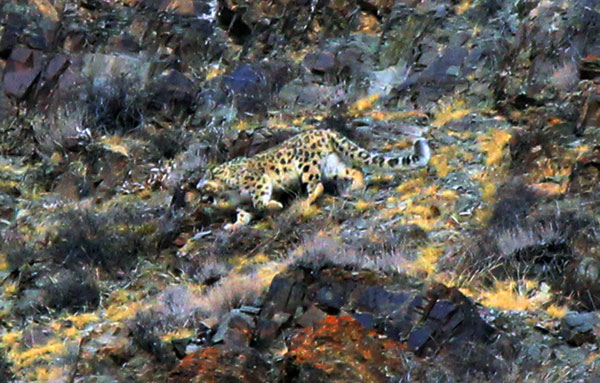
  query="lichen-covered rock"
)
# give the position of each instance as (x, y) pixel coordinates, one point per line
(222, 364)
(339, 349)
(375, 332)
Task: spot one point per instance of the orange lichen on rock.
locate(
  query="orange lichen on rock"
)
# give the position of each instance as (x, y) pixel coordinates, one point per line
(344, 349)
(220, 364)
(364, 104)
(379, 115)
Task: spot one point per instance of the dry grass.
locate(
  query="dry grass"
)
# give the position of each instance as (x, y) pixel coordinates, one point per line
(323, 250)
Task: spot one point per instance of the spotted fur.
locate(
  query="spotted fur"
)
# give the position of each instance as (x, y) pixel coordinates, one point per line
(306, 158)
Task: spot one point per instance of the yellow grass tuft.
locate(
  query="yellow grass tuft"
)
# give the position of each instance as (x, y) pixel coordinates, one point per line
(524, 295)
(440, 163)
(410, 187)
(278, 124)
(10, 339)
(363, 205)
(49, 351)
(213, 72)
(426, 262)
(242, 125)
(178, 334)
(488, 191)
(493, 145)
(364, 104)
(463, 6)
(557, 311)
(3, 262)
(379, 178)
(309, 211)
(505, 296)
(123, 304)
(118, 312)
(449, 113)
(449, 195)
(115, 144)
(81, 320)
(379, 115)
(242, 262)
(581, 150)
(71, 332)
(10, 288)
(267, 272)
(49, 374)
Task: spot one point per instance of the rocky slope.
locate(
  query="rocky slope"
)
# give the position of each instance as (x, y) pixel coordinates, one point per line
(482, 267)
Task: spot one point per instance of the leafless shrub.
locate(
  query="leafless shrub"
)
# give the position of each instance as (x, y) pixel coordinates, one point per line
(539, 247)
(181, 307)
(321, 250)
(232, 292)
(541, 234)
(209, 270)
(62, 130)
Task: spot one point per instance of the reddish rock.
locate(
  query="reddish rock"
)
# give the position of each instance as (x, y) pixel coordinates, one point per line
(342, 350)
(235, 329)
(182, 7)
(219, 364)
(311, 317)
(69, 186)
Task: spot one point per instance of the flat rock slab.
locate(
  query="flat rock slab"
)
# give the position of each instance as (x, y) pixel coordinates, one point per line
(21, 71)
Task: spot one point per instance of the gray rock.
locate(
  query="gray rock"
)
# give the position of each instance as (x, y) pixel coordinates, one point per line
(577, 328)
(104, 68)
(235, 329)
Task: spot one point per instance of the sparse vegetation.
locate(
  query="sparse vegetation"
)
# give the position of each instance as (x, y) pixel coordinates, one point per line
(114, 267)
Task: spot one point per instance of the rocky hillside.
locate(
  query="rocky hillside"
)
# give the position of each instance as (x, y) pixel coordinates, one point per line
(483, 266)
